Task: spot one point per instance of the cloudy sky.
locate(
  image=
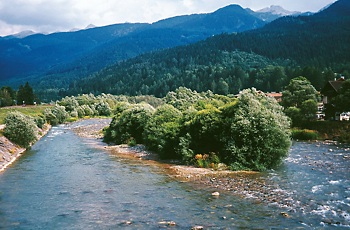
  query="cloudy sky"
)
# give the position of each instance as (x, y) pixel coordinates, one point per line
(63, 15)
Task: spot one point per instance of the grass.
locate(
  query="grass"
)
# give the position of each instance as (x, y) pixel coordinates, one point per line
(28, 110)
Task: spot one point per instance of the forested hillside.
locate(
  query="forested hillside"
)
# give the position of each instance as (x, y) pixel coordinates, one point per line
(320, 40)
(62, 57)
(312, 46)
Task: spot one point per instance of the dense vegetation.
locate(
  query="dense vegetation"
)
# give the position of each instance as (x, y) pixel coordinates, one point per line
(248, 132)
(266, 58)
(300, 100)
(24, 95)
(20, 128)
(54, 60)
(199, 68)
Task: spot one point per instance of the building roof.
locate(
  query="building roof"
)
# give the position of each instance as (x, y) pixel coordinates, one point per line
(333, 86)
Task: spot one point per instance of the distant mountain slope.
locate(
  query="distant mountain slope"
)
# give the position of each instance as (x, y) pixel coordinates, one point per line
(318, 40)
(76, 54)
(39, 53)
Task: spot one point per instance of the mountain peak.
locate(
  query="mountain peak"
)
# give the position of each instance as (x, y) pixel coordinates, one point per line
(277, 10)
(90, 26)
(233, 8)
(23, 34)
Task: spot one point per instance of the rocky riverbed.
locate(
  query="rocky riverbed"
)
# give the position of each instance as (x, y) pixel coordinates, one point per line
(253, 185)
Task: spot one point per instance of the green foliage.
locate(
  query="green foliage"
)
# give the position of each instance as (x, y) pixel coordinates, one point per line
(308, 109)
(298, 91)
(182, 98)
(56, 115)
(33, 111)
(254, 132)
(20, 129)
(40, 121)
(207, 160)
(130, 124)
(69, 103)
(7, 96)
(25, 94)
(342, 100)
(304, 134)
(103, 108)
(300, 100)
(205, 129)
(250, 132)
(161, 133)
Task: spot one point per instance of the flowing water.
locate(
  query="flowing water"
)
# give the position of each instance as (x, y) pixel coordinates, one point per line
(65, 182)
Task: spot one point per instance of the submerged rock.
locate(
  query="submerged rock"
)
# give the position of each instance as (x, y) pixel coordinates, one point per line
(215, 194)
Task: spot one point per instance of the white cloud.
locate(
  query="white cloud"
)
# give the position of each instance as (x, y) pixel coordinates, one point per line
(58, 15)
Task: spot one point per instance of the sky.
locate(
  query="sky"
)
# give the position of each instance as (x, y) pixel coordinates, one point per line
(47, 16)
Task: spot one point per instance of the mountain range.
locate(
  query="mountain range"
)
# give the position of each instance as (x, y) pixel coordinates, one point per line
(54, 62)
(30, 56)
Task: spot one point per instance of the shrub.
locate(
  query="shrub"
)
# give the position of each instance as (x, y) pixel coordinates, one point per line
(161, 133)
(40, 121)
(56, 115)
(69, 103)
(60, 113)
(255, 132)
(131, 123)
(50, 117)
(103, 108)
(20, 129)
(304, 134)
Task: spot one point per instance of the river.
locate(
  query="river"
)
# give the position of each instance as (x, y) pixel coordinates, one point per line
(66, 182)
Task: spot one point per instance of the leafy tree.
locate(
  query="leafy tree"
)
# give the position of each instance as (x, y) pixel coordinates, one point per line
(25, 94)
(308, 109)
(300, 94)
(20, 129)
(161, 133)
(205, 130)
(69, 103)
(7, 96)
(342, 100)
(297, 91)
(254, 132)
(103, 108)
(56, 115)
(129, 125)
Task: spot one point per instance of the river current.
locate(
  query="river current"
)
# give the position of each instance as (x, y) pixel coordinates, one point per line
(66, 182)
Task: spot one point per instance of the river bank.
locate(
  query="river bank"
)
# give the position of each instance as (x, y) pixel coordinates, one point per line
(10, 152)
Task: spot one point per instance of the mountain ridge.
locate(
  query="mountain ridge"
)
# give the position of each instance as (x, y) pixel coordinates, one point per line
(40, 54)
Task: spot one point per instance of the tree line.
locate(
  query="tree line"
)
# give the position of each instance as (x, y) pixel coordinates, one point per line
(23, 96)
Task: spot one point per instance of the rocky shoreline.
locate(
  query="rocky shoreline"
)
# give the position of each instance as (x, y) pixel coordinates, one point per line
(10, 152)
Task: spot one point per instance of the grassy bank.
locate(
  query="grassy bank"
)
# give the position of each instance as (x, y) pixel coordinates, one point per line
(329, 130)
(32, 111)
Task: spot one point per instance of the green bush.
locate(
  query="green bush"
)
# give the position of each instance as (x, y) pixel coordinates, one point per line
(20, 129)
(255, 132)
(40, 121)
(103, 108)
(130, 124)
(56, 115)
(162, 131)
(250, 132)
(304, 134)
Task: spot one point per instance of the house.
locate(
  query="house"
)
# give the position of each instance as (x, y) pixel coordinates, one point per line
(329, 91)
(277, 96)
